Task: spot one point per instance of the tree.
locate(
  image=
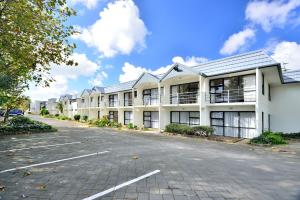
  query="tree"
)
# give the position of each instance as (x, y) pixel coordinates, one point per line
(60, 107)
(34, 34)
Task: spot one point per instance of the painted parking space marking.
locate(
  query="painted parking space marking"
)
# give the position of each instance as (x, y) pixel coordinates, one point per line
(100, 194)
(29, 139)
(51, 162)
(37, 147)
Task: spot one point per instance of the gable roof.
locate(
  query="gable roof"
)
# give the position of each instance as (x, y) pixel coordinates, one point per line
(240, 62)
(86, 91)
(97, 89)
(292, 76)
(119, 87)
(180, 67)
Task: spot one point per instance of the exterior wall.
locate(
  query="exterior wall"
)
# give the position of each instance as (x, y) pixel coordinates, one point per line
(51, 107)
(285, 108)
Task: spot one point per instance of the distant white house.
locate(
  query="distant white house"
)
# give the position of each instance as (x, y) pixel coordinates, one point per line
(51, 106)
(36, 106)
(239, 96)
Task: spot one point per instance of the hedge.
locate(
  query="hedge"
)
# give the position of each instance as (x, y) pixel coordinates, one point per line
(189, 130)
(269, 137)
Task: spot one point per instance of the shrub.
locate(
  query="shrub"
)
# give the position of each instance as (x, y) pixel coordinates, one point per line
(21, 124)
(290, 135)
(268, 137)
(85, 117)
(180, 129)
(56, 115)
(130, 126)
(62, 117)
(115, 124)
(203, 130)
(77, 117)
(104, 121)
(44, 111)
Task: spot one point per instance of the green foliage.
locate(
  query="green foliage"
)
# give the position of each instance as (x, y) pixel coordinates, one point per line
(85, 117)
(21, 124)
(130, 126)
(270, 138)
(203, 130)
(44, 111)
(60, 107)
(62, 117)
(56, 115)
(290, 135)
(115, 124)
(188, 130)
(77, 117)
(104, 121)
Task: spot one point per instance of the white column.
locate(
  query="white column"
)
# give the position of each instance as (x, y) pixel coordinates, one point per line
(159, 108)
(258, 102)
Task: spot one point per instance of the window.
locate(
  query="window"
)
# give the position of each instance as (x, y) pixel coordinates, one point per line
(102, 98)
(113, 100)
(128, 117)
(98, 101)
(150, 96)
(128, 99)
(185, 117)
(263, 84)
(233, 89)
(98, 114)
(113, 116)
(135, 94)
(269, 92)
(82, 100)
(92, 99)
(262, 122)
(184, 93)
(233, 123)
(151, 119)
(269, 122)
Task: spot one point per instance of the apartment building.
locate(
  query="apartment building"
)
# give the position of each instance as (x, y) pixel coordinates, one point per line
(239, 96)
(51, 106)
(69, 105)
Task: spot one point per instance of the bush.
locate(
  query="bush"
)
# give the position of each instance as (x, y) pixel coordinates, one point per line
(56, 115)
(44, 111)
(270, 138)
(21, 124)
(290, 135)
(85, 117)
(188, 130)
(77, 117)
(203, 130)
(115, 124)
(104, 121)
(130, 126)
(62, 117)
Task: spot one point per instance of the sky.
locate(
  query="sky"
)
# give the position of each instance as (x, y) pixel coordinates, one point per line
(118, 40)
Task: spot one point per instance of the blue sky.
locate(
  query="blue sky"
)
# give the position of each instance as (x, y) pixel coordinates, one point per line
(121, 39)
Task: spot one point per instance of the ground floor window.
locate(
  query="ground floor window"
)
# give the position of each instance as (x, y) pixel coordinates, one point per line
(234, 124)
(113, 116)
(98, 114)
(128, 117)
(151, 119)
(185, 117)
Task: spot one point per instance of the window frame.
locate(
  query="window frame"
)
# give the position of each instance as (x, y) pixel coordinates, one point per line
(223, 119)
(151, 121)
(129, 100)
(189, 118)
(114, 115)
(130, 120)
(179, 88)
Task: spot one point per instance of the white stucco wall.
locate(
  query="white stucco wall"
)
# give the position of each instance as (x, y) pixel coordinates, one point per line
(285, 108)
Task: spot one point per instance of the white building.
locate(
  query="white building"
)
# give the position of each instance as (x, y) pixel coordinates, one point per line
(238, 96)
(36, 106)
(69, 105)
(51, 106)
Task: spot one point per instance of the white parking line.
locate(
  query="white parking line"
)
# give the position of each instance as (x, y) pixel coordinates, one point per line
(29, 139)
(36, 147)
(100, 194)
(51, 162)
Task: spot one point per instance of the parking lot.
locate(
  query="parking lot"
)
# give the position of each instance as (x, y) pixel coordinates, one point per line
(80, 162)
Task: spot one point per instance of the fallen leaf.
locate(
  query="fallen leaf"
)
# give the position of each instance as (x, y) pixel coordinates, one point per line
(42, 187)
(26, 173)
(135, 157)
(2, 187)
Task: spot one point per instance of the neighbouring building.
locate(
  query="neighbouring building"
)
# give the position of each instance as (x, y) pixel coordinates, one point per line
(239, 96)
(51, 106)
(36, 106)
(69, 105)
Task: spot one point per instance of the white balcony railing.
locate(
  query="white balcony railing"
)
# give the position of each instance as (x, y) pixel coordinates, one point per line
(184, 98)
(232, 96)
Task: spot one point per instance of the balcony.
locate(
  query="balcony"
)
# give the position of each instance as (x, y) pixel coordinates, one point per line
(113, 103)
(128, 102)
(232, 96)
(184, 98)
(151, 100)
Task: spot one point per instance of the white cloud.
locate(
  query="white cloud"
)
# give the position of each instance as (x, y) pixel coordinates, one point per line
(118, 31)
(131, 72)
(90, 4)
(62, 74)
(287, 52)
(98, 79)
(269, 14)
(237, 41)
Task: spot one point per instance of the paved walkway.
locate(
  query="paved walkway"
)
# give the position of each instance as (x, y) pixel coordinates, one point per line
(69, 168)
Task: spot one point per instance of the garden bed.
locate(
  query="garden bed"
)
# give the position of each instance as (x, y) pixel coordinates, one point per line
(24, 125)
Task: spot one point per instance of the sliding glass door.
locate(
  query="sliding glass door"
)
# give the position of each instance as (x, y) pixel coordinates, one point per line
(151, 119)
(234, 124)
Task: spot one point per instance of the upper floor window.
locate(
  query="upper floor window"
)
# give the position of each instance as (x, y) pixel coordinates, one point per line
(135, 94)
(82, 100)
(113, 100)
(269, 92)
(128, 99)
(233, 89)
(263, 84)
(92, 99)
(184, 93)
(150, 96)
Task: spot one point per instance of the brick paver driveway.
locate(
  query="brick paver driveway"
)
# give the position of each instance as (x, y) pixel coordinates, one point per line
(189, 168)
